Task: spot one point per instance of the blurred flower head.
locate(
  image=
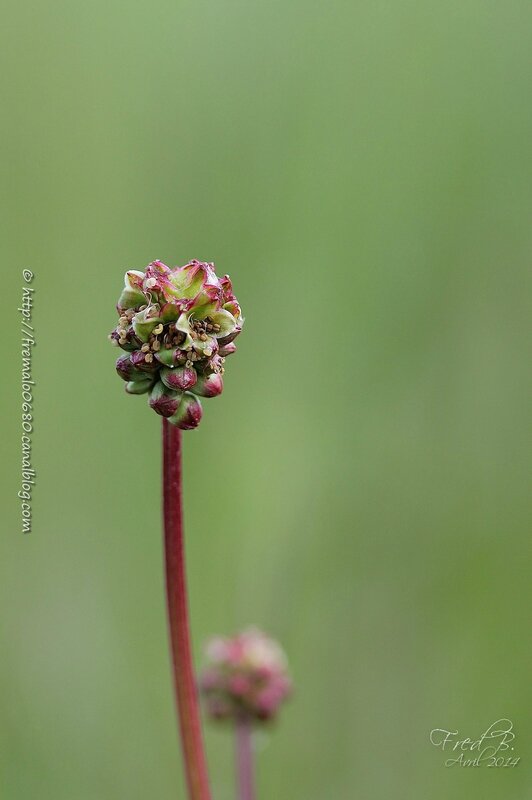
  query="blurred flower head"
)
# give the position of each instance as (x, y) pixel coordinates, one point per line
(177, 326)
(246, 676)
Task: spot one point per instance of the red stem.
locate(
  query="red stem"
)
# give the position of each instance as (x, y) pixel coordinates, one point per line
(244, 759)
(178, 619)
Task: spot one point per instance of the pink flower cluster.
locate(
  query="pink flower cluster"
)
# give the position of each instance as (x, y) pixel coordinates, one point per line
(176, 327)
(246, 677)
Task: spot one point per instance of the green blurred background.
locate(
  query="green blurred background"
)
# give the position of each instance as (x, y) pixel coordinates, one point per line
(363, 170)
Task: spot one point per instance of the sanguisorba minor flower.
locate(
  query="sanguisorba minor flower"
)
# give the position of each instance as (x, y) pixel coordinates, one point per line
(246, 681)
(245, 675)
(176, 327)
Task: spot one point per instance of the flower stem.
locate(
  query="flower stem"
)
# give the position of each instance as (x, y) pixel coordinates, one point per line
(178, 619)
(245, 769)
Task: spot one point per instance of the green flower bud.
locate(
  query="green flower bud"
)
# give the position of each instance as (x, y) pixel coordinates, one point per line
(139, 387)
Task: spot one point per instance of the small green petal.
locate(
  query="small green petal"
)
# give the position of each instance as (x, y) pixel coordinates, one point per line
(207, 348)
(132, 294)
(225, 320)
(183, 325)
(184, 286)
(144, 322)
(204, 310)
(169, 313)
(168, 357)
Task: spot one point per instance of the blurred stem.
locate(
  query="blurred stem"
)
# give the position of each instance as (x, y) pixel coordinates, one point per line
(245, 768)
(178, 618)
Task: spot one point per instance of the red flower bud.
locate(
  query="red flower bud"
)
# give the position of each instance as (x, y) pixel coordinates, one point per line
(163, 400)
(180, 378)
(188, 414)
(209, 385)
(227, 350)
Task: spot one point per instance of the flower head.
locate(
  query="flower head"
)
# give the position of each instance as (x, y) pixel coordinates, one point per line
(246, 676)
(176, 326)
